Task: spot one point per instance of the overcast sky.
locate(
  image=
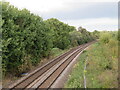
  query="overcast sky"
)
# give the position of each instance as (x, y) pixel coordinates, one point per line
(90, 14)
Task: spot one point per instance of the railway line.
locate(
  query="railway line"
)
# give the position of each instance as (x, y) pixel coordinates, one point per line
(47, 74)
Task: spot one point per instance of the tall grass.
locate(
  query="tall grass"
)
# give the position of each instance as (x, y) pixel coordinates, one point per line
(102, 64)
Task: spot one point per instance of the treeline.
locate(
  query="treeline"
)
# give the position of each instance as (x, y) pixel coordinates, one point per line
(26, 38)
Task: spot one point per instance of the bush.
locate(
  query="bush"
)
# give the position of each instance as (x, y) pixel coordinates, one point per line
(23, 34)
(112, 43)
(104, 38)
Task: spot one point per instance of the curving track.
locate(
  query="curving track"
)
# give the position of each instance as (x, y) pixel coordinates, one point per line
(46, 75)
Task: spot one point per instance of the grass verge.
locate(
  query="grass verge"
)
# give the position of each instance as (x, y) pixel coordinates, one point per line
(101, 68)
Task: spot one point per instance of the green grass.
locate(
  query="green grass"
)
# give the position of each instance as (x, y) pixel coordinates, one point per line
(101, 70)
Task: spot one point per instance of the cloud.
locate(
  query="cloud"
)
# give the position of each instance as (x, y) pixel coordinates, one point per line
(44, 6)
(69, 9)
(95, 23)
(85, 10)
(91, 14)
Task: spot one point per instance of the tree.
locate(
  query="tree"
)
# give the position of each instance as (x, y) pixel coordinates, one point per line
(25, 38)
(60, 33)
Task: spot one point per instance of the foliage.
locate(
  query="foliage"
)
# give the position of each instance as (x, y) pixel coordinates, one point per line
(60, 33)
(23, 35)
(105, 38)
(81, 36)
(101, 67)
(26, 38)
(86, 35)
(96, 34)
(75, 37)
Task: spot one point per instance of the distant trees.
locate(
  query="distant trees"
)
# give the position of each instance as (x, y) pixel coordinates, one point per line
(26, 38)
(96, 34)
(80, 36)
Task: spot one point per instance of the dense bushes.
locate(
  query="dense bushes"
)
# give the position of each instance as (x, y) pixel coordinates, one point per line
(111, 40)
(25, 35)
(106, 36)
(27, 38)
(60, 33)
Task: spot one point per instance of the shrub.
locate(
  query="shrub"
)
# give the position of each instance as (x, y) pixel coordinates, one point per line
(104, 38)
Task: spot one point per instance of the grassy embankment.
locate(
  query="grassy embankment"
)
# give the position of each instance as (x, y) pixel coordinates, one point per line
(101, 61)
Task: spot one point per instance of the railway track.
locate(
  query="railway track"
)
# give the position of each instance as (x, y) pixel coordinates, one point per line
(46, 75)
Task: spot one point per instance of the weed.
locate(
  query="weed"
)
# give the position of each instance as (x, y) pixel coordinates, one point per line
(101, 70)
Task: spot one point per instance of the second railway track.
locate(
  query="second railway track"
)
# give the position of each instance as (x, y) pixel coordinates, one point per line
(46, 75)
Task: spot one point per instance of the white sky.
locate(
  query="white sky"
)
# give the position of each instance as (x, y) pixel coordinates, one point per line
(44, 8)
(95, 24)
(50, 5)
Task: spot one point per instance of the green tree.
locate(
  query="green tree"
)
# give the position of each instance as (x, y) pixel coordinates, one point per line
(24, 35)
(60, 33)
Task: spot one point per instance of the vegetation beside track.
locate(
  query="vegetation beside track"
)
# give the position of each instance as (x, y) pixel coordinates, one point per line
(27, 39)
(54, 53)
(101, 66)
